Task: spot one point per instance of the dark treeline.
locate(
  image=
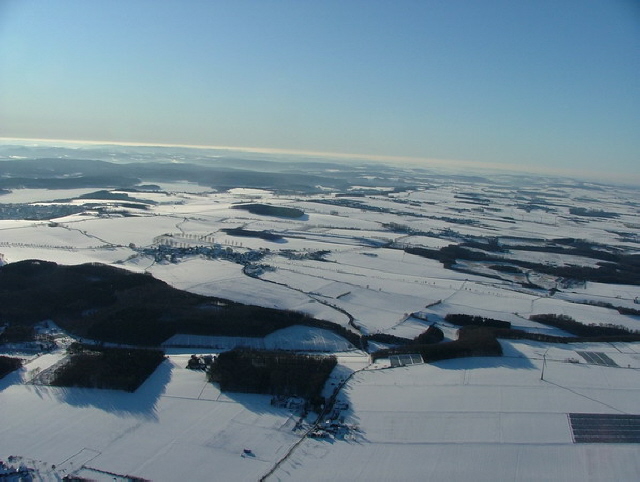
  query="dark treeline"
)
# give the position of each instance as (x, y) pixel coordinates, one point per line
(116, 196)
(623, 272)
(506, 268)
(468, 320)
(581, 333)
(114, 305)
(576, 328)
(110, 368)
(8, 364)
(627, 311)
(250, 233)
(472, 341)
(597, 213)
(514, 334)
(267, 210)
(272, 372)
(613, 268)
(433, 334)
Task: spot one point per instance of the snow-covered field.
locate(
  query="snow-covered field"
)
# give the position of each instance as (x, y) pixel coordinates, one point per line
(467, 419)
(175, 427)
(480, 419)
(484, 419)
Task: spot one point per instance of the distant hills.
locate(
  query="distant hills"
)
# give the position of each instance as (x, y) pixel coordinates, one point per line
(54, 173)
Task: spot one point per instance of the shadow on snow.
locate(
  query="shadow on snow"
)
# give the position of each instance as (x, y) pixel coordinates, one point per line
(140, 403)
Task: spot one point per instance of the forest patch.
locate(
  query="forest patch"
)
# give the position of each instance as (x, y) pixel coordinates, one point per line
(107, 368)
(272, 372)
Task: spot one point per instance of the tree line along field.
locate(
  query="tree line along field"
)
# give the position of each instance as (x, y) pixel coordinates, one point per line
(272, 372)
(106, 368)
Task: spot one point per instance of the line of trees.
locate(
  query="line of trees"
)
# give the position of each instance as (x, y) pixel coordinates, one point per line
(250, 233)
(112, 368)
(387, 338)
(594, 213)
(472, 320)
(431, 335)
(583, 333)
(268, 210)
(576, 328)
(272, 372)
(472, 341)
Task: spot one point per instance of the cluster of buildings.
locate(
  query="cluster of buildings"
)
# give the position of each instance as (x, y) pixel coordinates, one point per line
(172, 253)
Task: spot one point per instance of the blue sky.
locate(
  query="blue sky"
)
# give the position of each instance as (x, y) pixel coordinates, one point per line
(545, 84)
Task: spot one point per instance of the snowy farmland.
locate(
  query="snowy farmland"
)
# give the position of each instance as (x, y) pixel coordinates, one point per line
(175, 426)
(411, 422)
(485, 419)
(370, 256)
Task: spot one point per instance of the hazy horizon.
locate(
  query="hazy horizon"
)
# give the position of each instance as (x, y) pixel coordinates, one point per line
(530, 85)
(283, 154)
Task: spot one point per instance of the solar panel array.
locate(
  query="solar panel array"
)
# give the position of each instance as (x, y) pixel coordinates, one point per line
(605, 428)
(405, 359)
(597, 358)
